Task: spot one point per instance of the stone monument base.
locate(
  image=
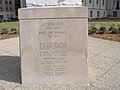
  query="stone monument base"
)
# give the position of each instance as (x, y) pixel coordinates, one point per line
(53, 43)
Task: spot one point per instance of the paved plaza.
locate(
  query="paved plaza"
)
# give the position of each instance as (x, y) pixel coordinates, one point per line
(103, 67)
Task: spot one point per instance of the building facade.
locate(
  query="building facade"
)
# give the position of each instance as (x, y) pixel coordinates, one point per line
(7, 9)
(102, 8)
(97, 8)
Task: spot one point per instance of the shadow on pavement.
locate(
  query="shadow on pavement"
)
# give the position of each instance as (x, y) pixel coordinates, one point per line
(10, 69)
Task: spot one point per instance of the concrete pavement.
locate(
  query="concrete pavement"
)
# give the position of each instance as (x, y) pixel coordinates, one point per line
(103, 67)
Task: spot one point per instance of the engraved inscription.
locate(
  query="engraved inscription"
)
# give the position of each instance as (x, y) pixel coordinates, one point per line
(53, 48)
(52, 29)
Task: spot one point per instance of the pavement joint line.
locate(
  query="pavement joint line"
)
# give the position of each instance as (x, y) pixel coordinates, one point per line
(106, 71)
(116, 85)
(95, 87)
(105, 57)
(11, 50)
(8, 52)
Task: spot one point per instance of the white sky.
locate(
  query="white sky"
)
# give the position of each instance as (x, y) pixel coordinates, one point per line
(53, 1)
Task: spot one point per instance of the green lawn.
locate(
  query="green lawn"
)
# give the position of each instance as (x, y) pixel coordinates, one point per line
(106, 24)
(98, 24)
(8, 25)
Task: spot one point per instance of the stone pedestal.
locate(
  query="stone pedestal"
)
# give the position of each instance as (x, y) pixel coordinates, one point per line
(53, 43)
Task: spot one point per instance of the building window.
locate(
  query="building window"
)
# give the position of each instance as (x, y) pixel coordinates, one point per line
(0, 1)
(118, 7)
(104, 14)
(1, 9)
(114, 3)
(10, 8)
(98, 14)
(6, 8)
(97, 1)
(11, 15)
(1, 16)
(90, 1)
(6, 2)
(103, 2)
(7, 15)
(91, 13)
(10, 2)
(114, 13)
